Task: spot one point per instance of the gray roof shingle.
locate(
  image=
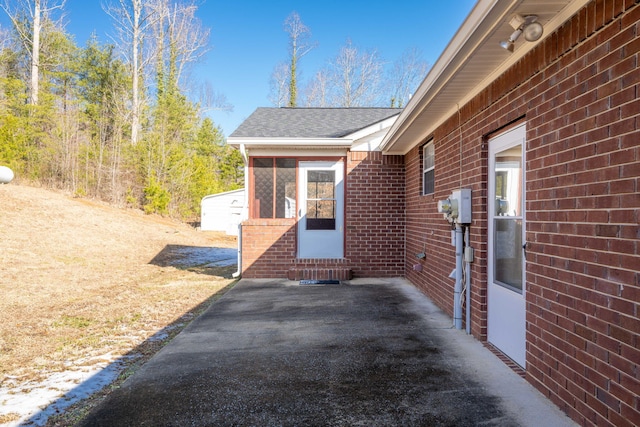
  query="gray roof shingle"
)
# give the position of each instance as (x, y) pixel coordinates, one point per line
(310, 122)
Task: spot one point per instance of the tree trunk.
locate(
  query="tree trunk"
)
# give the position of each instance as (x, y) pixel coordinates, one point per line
(35, 53)
(135, 108)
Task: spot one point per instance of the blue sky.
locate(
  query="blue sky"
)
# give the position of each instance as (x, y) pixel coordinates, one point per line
(247, 38)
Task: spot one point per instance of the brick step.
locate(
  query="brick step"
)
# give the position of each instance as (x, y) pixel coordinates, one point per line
(320, 273)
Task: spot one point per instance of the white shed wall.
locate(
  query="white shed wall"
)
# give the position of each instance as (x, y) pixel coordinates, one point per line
(222, 212)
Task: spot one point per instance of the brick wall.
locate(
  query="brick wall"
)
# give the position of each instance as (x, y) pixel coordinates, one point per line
(429, 233)
(375, 224)
(578, 92)
(374, 228)
(268, 247)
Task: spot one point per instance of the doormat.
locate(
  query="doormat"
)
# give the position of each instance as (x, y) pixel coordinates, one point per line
(319, 282)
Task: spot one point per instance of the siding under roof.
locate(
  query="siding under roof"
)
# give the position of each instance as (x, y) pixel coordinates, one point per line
(310, 122)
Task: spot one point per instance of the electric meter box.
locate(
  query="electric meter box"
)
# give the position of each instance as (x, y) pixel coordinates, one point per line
(463, 198)
(457, 208)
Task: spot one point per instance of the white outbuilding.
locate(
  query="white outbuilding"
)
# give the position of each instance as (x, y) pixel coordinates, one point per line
(222, 212)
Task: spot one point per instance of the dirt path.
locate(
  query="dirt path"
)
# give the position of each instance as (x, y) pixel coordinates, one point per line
(82, 282)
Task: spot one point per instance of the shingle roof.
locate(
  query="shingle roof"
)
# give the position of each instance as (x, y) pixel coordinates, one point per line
(310, 122)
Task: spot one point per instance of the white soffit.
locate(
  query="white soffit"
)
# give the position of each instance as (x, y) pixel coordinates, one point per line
(469, 63)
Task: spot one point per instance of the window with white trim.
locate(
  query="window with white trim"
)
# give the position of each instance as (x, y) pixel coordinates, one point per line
(428, 168)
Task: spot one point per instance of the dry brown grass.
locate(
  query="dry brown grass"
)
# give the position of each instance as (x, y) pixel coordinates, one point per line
(80, 279)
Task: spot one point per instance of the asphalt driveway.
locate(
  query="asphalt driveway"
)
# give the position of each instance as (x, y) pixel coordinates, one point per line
(369, 353)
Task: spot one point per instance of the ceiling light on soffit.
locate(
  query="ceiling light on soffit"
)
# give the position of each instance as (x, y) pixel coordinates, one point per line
(528, 25)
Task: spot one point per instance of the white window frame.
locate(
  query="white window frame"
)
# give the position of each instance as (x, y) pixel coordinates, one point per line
(428, 165)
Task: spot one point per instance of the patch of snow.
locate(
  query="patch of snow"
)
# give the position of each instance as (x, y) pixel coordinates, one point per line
(163, 334)
(223, 262)
(35, 401)
(208, 256)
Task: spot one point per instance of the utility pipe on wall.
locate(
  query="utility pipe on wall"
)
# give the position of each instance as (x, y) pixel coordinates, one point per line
(457, 289)
(467, 277)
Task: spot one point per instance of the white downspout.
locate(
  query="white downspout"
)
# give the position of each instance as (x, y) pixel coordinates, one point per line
(245, 209)
(239, 272)
(457, 289)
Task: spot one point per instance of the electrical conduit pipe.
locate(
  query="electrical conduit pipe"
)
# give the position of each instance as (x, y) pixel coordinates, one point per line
(457, 289)
(467, 277)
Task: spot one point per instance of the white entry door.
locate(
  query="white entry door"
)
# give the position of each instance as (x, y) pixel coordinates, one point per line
(321, 209)
(506, 270)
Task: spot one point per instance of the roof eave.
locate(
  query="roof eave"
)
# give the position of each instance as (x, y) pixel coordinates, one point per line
(466, 46)
(373, 128)
(290, 142)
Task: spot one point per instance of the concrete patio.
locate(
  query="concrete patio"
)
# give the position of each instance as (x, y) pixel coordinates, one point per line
(369, 352)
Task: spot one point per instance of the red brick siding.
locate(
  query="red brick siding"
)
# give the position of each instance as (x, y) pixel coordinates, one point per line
(582, 220)
(374, 228)
(268, 247)
(578, 92)
(375, 223)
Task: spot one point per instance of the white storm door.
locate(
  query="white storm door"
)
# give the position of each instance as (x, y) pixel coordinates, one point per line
(506, 236)
(321, 209)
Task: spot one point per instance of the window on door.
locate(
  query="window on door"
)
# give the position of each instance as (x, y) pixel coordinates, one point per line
(321, 200)
(507, 218)
(274, 183)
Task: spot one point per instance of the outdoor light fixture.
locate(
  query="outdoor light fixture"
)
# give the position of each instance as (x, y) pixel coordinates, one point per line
(528, 25)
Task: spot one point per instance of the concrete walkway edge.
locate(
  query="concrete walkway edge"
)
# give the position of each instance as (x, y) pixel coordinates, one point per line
(523, 401)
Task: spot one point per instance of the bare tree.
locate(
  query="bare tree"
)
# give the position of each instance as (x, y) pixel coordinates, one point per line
(179, 41)
(279, 87)
(132, 19)
(299, 46)
(317, 92)
(4, 38)
(5, 55)
(405, 76)
(37, 12)
(210, 99)
(186, 39)
(356, 77)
